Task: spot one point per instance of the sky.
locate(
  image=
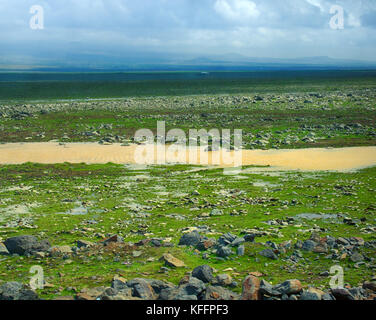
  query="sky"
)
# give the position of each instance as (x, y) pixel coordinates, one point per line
(120, 31)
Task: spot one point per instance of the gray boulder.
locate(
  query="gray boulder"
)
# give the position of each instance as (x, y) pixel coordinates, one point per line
(24, 245)
(193, 287)
(268, 253)
(309, 245)
(190, 239)
(191, 290)
(219, 293)
(288, 287)
(142, 289)
(16, 291)
(203, 273)
(306, 295)
(224, 252)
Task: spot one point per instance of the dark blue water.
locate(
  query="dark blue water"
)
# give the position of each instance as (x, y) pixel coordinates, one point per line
(141, 76)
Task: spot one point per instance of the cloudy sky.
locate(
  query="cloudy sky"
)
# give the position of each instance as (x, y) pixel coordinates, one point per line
(117, 30)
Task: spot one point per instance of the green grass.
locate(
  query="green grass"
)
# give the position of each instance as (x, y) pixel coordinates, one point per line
(105, 191)
(36, 86)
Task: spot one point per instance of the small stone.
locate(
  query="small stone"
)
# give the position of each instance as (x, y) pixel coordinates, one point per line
(3, 249)
(206, 244)
(113, 239)
(171, 261)
(60, 250)
(249, 237)
(320, 248)
(84, 244)
(308, 245)
(268, 253)
(356, 257)
(216, 212)
(40, 254)
(136, 254)
(240, 251)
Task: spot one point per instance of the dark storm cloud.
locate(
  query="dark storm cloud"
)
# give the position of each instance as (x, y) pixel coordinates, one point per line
(277, 28)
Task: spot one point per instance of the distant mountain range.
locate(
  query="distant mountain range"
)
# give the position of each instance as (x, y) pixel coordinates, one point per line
(153, 62)
(236, 59)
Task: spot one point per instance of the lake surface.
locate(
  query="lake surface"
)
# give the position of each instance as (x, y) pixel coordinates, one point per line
(323, 159)
(186, 75)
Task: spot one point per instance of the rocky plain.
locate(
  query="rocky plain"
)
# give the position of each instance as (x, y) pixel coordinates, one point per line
(184, 232)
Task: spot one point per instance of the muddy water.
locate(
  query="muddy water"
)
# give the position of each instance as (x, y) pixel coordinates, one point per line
(342, 159)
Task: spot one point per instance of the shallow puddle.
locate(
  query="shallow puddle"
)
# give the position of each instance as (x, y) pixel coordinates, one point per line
(78, 211)
(317, 216)
(341, 159)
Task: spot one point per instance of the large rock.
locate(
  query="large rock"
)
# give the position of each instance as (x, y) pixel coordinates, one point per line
(370, 285)
(119, 283)
(16, 291)
(342, 294)
(266, 288)
(251, 288)
(204, 273)
(312, 294)
(222, 280)
(220, 293)
(26, 245)
(191, 289)
(159, 285)
(142, 289)
(112, 294)
(190, 239)
(288, 287)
